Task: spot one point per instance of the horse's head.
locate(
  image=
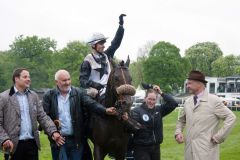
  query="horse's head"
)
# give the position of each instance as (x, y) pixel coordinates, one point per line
(119, 88)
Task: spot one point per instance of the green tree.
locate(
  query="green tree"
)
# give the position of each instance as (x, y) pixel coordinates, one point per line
(70, 58)
(166, 67)
(202, 55)
(7, 64)
(225, 66)
(3, 77)
(34, 53)
(136, 70)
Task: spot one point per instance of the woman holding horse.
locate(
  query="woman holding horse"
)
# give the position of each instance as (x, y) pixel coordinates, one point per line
(147, 140)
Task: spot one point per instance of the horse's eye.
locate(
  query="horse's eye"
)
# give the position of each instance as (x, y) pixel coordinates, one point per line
(130, 79)
(117, 78)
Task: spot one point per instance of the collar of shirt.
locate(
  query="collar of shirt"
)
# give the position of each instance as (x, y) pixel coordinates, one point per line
(59, 93)
(200, 94)
(18, 92)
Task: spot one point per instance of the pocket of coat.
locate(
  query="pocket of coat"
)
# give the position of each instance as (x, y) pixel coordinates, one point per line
(205, 142)
(201, 145)
(34, 108)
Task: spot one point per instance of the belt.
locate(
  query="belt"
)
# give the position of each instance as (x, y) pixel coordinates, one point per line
(26, 140)
(68, 136)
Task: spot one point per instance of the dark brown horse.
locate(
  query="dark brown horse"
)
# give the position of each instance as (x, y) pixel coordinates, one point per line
(109, 133)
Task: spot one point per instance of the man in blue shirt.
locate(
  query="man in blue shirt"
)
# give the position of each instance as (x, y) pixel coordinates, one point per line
(69, 105)
(20, 113)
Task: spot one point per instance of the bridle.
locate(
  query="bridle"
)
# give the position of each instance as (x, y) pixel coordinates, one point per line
(124, 79)
(121, 101)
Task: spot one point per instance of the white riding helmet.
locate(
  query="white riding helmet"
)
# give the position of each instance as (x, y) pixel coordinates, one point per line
(96, 37)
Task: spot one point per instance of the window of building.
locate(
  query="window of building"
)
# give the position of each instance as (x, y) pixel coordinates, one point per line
(238, 87)
(212, 88)
(221, 87)
(230, 88)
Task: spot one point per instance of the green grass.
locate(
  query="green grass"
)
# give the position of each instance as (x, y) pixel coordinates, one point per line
(170, 150)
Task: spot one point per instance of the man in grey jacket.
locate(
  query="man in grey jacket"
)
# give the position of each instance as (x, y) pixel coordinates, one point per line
(20, 113)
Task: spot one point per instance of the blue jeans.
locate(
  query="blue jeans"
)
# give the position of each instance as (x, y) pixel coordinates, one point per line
(69, 151)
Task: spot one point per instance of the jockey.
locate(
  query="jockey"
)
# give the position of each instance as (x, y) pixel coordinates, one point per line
(95, 69)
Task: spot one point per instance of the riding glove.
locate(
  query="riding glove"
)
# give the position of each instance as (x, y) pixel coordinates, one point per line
(121, 19)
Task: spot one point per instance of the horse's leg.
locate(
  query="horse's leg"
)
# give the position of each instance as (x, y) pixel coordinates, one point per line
(99, 154)
(120, 155)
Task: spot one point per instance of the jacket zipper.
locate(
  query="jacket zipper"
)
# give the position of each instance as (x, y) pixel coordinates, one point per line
(154, 138)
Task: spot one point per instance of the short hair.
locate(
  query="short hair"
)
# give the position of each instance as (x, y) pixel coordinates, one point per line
(57, 74)
(150, 91)
(17, 72)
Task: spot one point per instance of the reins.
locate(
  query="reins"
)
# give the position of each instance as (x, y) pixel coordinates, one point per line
(123, 76)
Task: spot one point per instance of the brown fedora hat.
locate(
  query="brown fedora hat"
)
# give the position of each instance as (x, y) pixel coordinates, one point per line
(197, 76)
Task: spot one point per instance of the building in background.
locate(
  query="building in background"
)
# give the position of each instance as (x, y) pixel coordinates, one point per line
(226, 87)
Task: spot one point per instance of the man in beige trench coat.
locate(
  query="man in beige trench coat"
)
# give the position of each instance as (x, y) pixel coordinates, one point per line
(202, 114)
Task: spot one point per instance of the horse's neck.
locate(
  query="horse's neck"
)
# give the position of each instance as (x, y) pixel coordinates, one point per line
(110, 99)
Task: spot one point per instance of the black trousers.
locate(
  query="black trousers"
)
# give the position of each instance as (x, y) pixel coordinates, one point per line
(147, 152)
(26, 150)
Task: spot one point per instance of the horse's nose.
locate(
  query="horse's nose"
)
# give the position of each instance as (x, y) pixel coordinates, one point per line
(130, 102)
(127, 103)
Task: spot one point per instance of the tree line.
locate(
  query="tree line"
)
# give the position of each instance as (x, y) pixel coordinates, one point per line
(158, 63)
(161, 63)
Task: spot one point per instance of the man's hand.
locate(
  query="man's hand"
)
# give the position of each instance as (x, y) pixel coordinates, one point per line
(214, 141)
(92, 92)
(157, 89)
(8, 146)
(111, 111)
(125, 116)
(179, 138)
(98, 86)
(58, 139)
(121, 19)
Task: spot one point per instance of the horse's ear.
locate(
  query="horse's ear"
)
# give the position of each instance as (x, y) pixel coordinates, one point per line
(114, 65)
(127, 62)
(121, 63)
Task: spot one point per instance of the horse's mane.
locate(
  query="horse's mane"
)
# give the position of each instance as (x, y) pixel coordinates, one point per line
(110, 97)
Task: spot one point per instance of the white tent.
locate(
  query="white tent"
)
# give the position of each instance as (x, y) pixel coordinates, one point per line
(139, 95)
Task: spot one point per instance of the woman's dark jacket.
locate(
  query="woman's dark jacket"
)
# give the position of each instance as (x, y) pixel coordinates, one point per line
(80, 104)
(151, 119)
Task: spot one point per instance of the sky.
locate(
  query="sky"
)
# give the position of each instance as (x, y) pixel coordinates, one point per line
(180, 22)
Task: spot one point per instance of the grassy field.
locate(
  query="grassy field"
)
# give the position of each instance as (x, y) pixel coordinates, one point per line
(170, 150)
